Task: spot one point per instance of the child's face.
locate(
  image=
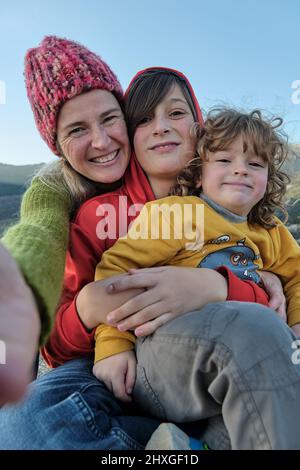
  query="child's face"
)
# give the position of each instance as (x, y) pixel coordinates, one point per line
(234, 179)
(163, 142)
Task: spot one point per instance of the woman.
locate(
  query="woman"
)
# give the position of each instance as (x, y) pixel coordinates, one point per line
(117, 422)
(42, 235)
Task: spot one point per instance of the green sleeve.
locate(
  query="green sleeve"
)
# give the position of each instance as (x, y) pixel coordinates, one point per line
(39, 242)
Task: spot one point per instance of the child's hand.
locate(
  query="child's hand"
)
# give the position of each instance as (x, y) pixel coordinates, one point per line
(296, 329)
(273, 287)
(118, 373)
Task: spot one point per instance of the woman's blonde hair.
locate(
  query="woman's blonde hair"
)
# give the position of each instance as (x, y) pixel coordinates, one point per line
(222, 127)
(61, 177)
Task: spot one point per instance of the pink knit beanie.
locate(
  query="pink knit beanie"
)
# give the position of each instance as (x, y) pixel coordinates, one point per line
(55, 72)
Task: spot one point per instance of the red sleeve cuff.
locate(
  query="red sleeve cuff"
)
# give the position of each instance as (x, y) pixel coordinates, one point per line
(242, 290)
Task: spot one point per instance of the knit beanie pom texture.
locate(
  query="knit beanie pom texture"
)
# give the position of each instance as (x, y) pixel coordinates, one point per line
(55, 72)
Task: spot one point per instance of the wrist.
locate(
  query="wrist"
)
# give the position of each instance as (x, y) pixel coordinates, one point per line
(83, 310)
(217, 286)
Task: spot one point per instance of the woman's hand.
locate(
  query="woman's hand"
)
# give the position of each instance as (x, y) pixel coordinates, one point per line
(274, 289)
(19, 330)
(170, 292)
(93, 302)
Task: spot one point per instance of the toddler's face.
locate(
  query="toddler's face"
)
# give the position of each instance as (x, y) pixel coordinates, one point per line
(235, 179)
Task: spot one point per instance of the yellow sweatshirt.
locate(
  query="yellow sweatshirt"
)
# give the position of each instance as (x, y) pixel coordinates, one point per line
(186, 231)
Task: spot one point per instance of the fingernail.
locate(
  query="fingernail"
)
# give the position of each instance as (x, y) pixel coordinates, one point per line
(121, 327)
(110, 319)
(139, 332)
(110, 288)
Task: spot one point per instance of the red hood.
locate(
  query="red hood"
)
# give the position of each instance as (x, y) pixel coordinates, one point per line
(135, 180)
(136, 183)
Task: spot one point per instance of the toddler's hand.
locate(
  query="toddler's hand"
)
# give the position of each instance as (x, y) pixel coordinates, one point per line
(274, 289)
(118, 373)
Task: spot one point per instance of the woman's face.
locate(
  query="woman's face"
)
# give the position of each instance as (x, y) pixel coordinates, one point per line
(163, 142)
(92, 135)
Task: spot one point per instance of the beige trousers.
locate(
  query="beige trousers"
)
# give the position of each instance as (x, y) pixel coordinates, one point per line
(230, 363)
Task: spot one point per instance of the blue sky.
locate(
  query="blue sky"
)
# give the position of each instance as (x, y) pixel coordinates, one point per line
(241, 53)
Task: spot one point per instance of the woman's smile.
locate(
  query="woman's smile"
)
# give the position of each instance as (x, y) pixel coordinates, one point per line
(106, 159)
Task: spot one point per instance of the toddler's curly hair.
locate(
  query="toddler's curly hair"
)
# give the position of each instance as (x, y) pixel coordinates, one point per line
(222, 127)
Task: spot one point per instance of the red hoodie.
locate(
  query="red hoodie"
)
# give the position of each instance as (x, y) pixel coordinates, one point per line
(69, 338)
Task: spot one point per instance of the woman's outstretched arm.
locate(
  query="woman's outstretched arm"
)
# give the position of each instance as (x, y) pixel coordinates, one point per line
(38, 243)
(171, 291)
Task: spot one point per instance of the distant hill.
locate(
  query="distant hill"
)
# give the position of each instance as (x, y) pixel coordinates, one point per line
(13, 182)
(14, 179)
(11, 189)
(19, 175)
(9, 210)
(292, 166)
(293, 169)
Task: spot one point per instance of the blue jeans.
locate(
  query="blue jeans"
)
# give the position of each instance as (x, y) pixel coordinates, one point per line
(68, 408)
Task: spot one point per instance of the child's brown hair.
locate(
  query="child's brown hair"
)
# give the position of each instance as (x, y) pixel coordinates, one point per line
(222, 127)
(147, 90)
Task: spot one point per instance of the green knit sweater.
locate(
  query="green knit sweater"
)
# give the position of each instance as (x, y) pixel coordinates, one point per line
(38, 242)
